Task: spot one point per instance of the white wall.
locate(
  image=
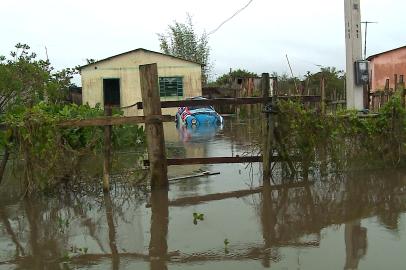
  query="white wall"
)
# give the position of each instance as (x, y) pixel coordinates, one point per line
(126, 68)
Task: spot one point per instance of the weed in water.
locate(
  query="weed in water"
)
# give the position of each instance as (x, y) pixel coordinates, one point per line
(226, 242)
(197, 217)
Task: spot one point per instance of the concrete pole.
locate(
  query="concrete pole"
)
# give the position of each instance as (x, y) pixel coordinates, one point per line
(353, 44)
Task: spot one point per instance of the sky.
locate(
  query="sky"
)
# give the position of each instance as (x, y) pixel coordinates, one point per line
(258, 39)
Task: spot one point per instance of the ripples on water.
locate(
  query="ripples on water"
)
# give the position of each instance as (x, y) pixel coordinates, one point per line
(350, 221)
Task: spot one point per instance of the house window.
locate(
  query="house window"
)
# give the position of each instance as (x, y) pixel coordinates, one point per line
(111, 92)
(171, 86)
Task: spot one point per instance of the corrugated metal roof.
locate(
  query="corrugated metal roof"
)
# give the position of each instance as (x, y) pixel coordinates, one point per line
(378, 54)
(136, 50)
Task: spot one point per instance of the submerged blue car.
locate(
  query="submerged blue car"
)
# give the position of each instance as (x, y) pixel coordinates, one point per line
(198, 116)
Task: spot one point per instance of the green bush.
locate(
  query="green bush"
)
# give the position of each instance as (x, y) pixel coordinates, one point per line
(51, 154)
(345, 140)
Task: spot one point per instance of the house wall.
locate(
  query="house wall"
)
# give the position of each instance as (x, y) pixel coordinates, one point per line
(385, 66)
(126, 68)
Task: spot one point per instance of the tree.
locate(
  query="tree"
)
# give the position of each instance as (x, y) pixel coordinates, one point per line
(182, 41)
(25, 80)
(239, 73)
(310, 83)
(334, 80)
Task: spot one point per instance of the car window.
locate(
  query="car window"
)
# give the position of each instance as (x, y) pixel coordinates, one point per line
(201, 107)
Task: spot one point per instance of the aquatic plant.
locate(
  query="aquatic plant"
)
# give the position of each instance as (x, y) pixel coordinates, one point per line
(197, 217)
(226, 242)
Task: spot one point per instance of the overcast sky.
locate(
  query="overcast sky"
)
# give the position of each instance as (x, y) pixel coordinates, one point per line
(310, 32)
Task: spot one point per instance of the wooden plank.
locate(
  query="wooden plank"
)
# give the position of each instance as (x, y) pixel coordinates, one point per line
(154, 131)
(206, 173)
(210, 160)
(207, 102)
(229, 101)
(219, 160)
(115, 120)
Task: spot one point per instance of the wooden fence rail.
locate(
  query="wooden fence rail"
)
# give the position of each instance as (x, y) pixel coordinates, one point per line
(116, 120)
(229, 101)
(211, 160)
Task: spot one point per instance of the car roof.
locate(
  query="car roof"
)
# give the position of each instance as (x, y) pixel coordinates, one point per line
(197, 98)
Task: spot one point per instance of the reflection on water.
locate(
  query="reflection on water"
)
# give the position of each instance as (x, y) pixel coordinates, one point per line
(355, 243)
(351, 221)
(158, 246)
(198, 134)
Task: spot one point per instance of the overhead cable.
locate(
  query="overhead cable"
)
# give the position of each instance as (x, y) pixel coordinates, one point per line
(235, 14)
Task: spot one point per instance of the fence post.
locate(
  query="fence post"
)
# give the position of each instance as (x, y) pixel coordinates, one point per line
(402, 89)
(154, 130)
(107, 151)
(274, 87)
(267, 132)
(323, 95)
(372, 102)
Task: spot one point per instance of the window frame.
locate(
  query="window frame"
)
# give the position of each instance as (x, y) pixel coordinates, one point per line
(167, 92)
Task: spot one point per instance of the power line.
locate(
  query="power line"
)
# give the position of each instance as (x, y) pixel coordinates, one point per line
(235, 14)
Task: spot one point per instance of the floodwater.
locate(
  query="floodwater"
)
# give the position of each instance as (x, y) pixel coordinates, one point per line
(352, 221)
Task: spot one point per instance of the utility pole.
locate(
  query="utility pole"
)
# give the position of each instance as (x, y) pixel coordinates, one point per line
(365, 37)
(291, 72)
(46, 53)
(353, 44)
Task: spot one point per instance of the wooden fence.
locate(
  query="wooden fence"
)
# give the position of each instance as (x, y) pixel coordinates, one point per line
(333, 98)
(379, 98)
(153, 120)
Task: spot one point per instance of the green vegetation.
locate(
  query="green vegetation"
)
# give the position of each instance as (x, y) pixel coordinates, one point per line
(345, 140)
(310, 83)
(26, 81)
(52, 154)
(197, 217)
(239, 73)
(181, 40)
(32, 103)
(226, 242)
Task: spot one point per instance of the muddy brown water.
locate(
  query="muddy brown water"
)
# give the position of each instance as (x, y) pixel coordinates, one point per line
(351, 221)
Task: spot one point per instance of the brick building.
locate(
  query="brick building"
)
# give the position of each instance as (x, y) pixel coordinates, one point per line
(387, 69)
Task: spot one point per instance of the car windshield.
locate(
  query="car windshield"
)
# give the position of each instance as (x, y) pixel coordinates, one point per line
(201, 107)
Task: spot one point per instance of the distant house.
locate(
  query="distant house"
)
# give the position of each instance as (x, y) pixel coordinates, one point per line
(75, 95)
(387, 68)
(116, 79)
